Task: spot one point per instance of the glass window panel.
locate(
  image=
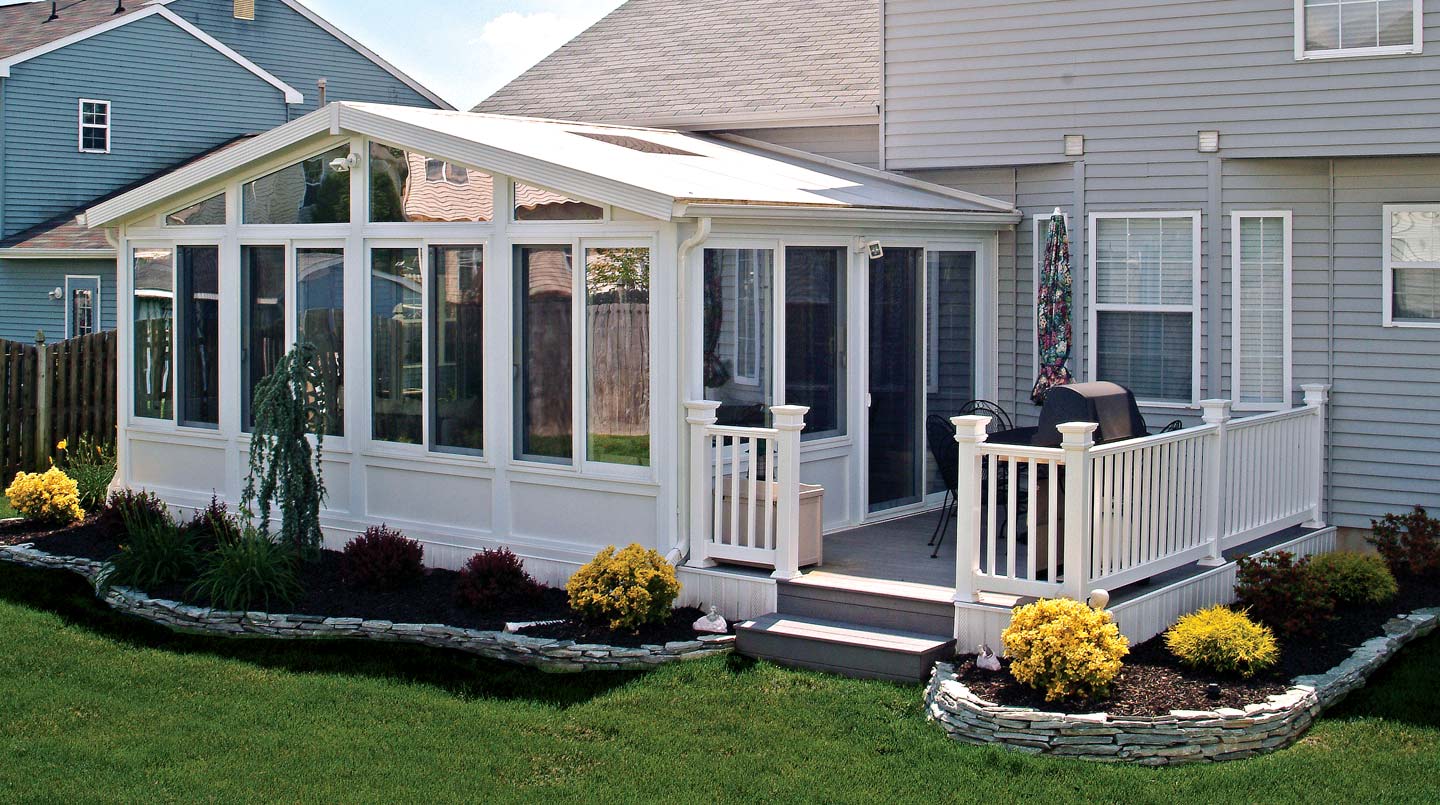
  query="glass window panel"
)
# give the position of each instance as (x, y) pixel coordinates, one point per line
(1145, 261)
(309, 192)
(199, 282)
(544, 325)
(457, 316)
(1358, 25)
(617, 314)
(1396, 23)
(737, 337)
(410, 187)
(82, 312)
(1347, 24)
(534, 204)
(397, 342)
(1260, 308)
(1149, 353)
(950, 316)
(154, 283)
(320, 321)
(210, 212)
(1415, 236)
(262, 275)
(1417, 294)
(815, 337)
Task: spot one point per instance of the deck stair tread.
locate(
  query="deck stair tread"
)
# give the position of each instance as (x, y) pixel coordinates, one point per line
(843, 648)
(847, 633)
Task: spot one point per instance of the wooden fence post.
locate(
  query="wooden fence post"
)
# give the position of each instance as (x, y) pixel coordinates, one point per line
(1077, 440)
(789, 421)
(44, 401)
(1212, 499)
(970, 433)
(700, 415)
(1317, 396)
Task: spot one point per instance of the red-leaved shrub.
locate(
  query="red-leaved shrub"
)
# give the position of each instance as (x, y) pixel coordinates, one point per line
(382, 559)
(493, 578)
(1409, 543)
(1283, 593)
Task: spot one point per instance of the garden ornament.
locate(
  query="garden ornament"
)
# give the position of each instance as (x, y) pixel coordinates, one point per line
(712, 623)
(986, 659)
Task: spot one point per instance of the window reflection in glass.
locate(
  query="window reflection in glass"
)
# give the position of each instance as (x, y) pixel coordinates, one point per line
(199, 280)
(458, 318)
(263, 318)
(815, 337)
(736, 359)
(617, 314)
(320, 322)
(154, 283)
(409, 187)
(308, 192)
(544, 410)
(535, 204)
(210, 212)
(396, 316)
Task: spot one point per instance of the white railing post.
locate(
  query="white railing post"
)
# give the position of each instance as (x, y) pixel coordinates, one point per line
(970, 433)
(1077, 440)
(700, 415)
(789, 421)
(1317, 396)
(1212, 514)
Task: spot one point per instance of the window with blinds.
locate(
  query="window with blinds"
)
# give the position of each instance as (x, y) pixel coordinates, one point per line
(1260, 284)
(1412, 265)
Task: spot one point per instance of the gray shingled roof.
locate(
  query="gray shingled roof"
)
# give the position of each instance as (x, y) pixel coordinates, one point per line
(654, 60)
(28, 25)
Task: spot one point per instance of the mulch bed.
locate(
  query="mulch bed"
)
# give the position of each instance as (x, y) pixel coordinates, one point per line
(89, 540)
(1153, 682)
(680, 627)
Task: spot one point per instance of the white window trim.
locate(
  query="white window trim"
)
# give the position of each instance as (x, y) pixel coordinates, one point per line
(95, 301)
(109, 121)
(1416, 46)
(756, 305)
(1389, 265)
(1194, 309)
(1037, 260)
(1236, 218)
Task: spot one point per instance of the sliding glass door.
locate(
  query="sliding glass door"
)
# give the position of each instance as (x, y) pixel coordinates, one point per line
(896, 400)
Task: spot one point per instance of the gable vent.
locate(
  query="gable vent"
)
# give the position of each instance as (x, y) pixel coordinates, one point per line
(244, 9)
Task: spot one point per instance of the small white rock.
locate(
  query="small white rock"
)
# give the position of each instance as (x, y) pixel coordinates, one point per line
(712, 623)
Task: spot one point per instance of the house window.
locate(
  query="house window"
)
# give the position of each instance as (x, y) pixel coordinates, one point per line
(198, 278)
(262, 319)
(320, 322)
(544, 333)
(94, 127)
(1412, 265)
(410, 187)
(1325, 28)
(1260, 281)
(308, 192)
(815, 336)
(1144, 292)
(82, 312)
(457, 322)
(617, 366)
(210, 212)
(535, 204)
(737, 335)
(153, 279)
(397, 345)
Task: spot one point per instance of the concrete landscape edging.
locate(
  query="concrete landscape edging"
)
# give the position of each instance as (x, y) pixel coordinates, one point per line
(1183, 736)
(546, 654)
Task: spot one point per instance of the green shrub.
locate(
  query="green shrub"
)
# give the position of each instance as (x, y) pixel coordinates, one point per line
(1355, 578)
(1410, 543)
(153, 552)
(285, 469)
(1064, 648)
(624, 590)
(1282, 593)
(1222, 640)
(249, 573)
(131, 505)
(92, 465)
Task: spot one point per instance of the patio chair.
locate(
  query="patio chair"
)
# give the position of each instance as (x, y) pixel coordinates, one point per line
(1173, 426)
(940, 437)
(1000, 419)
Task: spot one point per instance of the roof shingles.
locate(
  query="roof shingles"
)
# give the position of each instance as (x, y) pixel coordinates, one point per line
(25, 26)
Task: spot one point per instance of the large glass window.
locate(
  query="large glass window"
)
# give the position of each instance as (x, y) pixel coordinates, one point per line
(1412, 265)
(199, 285)
(210, 212)
(949, 340)
(397, 339)
(544, 411)
(535, 204)
(320, 321)
(1143, 278)
(737, 338)
(406, 186)
(308, 192)
(815, 337)
(262, 275)
(1336, 26)
(154, 302)
(457, 318)
(1261, 348)
(617, 315)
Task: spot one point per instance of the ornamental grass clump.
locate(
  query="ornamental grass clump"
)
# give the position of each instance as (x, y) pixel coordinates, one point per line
(250, 573)
(49, 497)
(1355, 578)
(493, 578)
(1224, 641)
(625, 590)
(92, 465)
(131, 505)
(1410, 543)
(382, 559)
(154, 552)
(1064, 649)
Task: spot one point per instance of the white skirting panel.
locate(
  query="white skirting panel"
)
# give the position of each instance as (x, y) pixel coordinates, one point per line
(979, 623)
(739, 597)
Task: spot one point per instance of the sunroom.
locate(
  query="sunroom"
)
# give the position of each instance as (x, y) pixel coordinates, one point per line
(523, 322)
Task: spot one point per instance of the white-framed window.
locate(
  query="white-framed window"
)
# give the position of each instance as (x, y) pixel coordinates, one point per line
(94, 126)
(82, 305)
(1039, 229)
(739, 356)
(1144, 304)
(1411, 272)
(1260, 266)
(1340, 28)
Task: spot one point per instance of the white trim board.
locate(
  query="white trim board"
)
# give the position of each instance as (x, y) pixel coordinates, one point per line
(1387, 269)
(1416, 46)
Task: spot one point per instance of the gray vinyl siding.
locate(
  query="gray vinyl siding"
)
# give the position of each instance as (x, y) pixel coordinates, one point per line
(25, 286)
(857, 144)
(971, 82)
(299, 53)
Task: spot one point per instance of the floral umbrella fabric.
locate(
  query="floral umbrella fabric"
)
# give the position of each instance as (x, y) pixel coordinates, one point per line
(1053, 308)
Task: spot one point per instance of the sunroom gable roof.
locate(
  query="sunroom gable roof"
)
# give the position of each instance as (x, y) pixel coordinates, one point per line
(654, 172)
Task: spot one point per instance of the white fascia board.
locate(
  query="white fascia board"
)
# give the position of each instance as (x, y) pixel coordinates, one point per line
(57, 254)
(860, 214)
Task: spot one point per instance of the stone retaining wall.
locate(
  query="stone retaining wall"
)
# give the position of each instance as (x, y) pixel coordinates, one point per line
(547, 654)
(1183, 736)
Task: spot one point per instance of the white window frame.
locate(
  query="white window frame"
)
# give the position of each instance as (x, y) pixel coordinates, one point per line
(1389, 265)
(71, 280)
(109, 121)
(755, 306)
(1194, 308)
(1037, 260)
(1236, 266)
(1416, 46)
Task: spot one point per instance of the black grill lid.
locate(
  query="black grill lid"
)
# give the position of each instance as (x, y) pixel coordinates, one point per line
(1110, 404)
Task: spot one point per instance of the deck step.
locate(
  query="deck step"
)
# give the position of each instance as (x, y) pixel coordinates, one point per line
(843, 648)
(908, 608)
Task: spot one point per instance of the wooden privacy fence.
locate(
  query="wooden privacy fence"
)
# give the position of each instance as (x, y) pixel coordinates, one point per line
(50, 392)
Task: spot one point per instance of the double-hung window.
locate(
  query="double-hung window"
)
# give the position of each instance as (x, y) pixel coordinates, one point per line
(1412, 265)
(1144, 294)
(1331, 28)
(737, 333)
(1260, 259)
(94, 127)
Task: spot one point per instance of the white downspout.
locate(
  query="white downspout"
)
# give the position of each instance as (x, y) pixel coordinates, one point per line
(703, 227)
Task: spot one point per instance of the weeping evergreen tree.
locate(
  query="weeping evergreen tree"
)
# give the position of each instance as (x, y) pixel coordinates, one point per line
(284, 468)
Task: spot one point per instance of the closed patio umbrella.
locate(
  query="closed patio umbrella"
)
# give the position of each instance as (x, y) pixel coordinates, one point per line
(1053, 299)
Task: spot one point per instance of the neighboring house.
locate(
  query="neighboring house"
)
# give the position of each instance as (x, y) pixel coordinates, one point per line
(107, 94)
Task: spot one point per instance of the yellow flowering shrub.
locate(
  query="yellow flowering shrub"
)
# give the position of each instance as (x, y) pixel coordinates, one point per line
(624, 590)
(49, 497)
(1222, 640)
(1064, 648)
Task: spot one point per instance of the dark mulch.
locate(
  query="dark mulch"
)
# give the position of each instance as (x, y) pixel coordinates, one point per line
(89, 540)
(1153, 682)
(680, 626)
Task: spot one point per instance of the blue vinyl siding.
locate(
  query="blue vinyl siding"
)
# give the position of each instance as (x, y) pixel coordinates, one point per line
(25, 286)
(299, 53)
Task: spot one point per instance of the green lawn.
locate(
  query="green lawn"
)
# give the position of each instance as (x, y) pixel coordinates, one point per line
(6, 510)
(98, 708)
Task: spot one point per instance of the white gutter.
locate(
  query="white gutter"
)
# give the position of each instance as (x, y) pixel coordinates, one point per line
(858, 214)
(703, 227)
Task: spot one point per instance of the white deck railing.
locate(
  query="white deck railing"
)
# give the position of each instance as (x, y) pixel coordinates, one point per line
(745, 490)
(1064, 521)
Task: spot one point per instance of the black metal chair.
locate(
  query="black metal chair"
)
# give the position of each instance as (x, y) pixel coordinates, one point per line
(1173, 426)
(940, 437)
(1001, 420)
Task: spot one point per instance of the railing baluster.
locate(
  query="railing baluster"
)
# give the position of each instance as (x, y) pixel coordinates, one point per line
(1011, 496)
(719, 533)
(770, 485)
(753, 507)
(1032, 539)
(1052, 518)
(991, 504)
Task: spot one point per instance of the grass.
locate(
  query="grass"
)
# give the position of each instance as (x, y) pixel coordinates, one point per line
(6, 510)
(97, 707)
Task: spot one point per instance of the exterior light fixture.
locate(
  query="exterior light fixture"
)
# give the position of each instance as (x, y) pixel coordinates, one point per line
(1074, 145)
(1209, 142)
(344, 164)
